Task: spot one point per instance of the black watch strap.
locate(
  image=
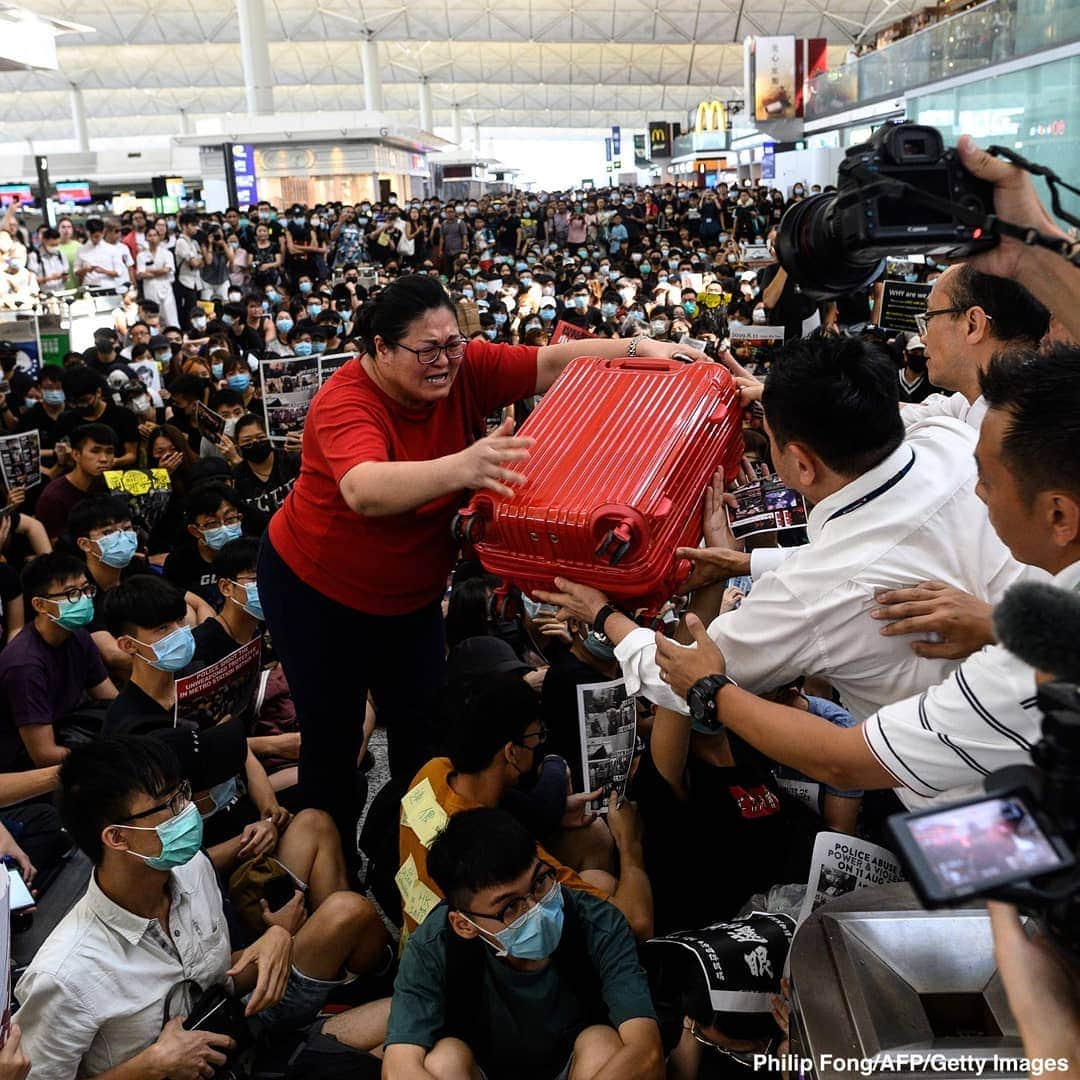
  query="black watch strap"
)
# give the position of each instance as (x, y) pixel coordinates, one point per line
(602, 617)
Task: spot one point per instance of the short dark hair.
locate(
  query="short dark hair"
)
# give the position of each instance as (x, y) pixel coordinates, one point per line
(93, 514)
(94, 225)
(235, 557)
(144, 600)
(190, 386)
(80, 381)
(225, 397)
(100, 779)
(1015, 315)
(840, 397)
(390, 314)
(484, 716)
(206, 498)
(249, 420)
(98, 433)
(477, 849)
(43, 574)
(1041, 393)
(50, 373)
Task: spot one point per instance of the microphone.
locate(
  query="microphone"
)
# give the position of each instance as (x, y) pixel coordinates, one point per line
(1040, 624)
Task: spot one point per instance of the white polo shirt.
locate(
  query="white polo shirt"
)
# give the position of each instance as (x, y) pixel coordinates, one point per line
(940, 744)
(94, 995)
(913, 517)
(108, 257)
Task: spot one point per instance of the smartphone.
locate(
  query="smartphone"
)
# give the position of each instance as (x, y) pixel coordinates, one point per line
(18, 894)
(973, 847)
(278, 891)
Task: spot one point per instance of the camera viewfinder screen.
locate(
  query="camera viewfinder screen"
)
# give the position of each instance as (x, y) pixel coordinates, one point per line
(970, 846)
(897, 213)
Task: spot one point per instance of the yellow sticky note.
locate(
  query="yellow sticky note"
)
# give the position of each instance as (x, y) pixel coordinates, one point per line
(423, 814)
(416, 898)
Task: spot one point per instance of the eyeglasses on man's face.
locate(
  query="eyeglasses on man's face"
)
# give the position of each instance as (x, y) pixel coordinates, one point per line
(544, 883)
(176, 804)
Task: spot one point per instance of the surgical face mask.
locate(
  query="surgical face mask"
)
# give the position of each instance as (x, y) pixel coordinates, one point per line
(227, 320)
(658, 326)
(305, 287)
(235, 297)
(302, 348)
(608, 310)
(223, 795)
(251, 603)
(628, 295)
(500, 318)
(219, 536)
(536, 935)
(314, 310)
(217, 370)
(595, 646)
(198, 322)
(467, 294)
(284, 325)
(174, 651)
(532, 326)
(52, 397)
(547, 314)
(72, 615)
(525, 281)
(272, 296)
(163, 356)
(318, 347)
(118, 548)
(581, 302)
(689, 307)
(491, 333)
(181, 838)
(240, 381)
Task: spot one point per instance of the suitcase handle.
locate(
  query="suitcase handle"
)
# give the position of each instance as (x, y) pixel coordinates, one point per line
(643, 363)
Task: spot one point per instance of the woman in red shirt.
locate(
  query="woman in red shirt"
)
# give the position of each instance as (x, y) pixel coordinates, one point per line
(355, 564)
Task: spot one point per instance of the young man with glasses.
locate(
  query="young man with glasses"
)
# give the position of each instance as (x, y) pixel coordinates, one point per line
(515, 975)
(51, 666)
(213, 519)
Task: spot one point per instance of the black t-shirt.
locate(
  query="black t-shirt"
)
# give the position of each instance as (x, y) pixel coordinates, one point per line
(133, 709)
(37, 419)
(260, 499)
(559, 705)
(212, 642)
(590, 319)
(121, 420)
(190, 572)
(250, 341)
(792, 307)
(920, 391)
(733, 837)
(506, 234)
(10, 589)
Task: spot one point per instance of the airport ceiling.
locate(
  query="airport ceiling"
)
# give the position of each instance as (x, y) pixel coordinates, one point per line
(545, 63)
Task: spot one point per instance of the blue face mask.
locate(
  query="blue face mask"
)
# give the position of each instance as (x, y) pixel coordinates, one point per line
(467, 294)
(602, 650)
(500, 318)
(581, 303)
(252, 603)
(302, 348)
(491, 333)
(305, 286)
(314, 310)
(273, 296)
(318, 347)
(118, 548)
(163, 357)
(547, 314)
(181, 838)
(536, 935)
(240, 381)
(284, 325)
(218, 537)
(52, 397)
(174, 651)
(227, 320)
(74, 615)
(217, 370)
(223, 795)
(608, 310)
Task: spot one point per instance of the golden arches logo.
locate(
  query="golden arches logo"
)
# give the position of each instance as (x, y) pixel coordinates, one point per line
(711, 116)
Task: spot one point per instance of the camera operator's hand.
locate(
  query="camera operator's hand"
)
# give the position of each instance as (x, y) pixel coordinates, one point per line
(961, 621)
(1043, 990)
(1015, 201)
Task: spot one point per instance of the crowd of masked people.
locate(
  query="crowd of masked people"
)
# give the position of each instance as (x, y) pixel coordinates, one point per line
(487, 914)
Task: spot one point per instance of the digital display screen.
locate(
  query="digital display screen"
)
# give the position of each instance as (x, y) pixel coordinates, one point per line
(73, 191)
(20, 193)
(969, 847)
(898, 213)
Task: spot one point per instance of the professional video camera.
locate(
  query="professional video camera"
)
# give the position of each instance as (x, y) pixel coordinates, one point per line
(901, 193)
(1020, 842)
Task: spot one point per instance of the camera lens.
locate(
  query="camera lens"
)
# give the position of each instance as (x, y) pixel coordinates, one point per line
(813, 255)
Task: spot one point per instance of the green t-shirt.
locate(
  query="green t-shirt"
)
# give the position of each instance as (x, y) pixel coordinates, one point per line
(535, 1036)
(71, 250)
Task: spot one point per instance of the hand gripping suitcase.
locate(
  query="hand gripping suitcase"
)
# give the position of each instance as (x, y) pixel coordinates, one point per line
(615, 480)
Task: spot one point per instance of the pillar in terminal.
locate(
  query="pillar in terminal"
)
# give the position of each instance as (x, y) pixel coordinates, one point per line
(427, 116)
(455, 124)
(255, 57)
(369, 58)
(78, 119)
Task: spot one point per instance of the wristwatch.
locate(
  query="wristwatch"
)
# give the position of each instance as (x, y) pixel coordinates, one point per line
(631, 349)
(602, 617)
(702, 700)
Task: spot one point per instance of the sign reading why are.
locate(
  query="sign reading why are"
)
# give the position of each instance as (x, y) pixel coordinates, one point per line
(901, 301)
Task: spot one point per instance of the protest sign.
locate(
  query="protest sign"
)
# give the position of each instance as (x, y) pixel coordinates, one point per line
(563, 332)
(841, 864)
(226, 688)
(765, 506)
(607, 721)
(901, 301)
(147, 492)
(20, 459)
(211, 425)
(288, 385)
(752, 341)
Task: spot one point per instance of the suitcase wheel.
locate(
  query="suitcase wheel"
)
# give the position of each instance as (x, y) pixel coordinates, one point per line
(617, 541)
(467, 528)
(505, 606)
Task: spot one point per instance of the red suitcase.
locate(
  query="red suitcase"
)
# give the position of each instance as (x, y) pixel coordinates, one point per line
(615, 481)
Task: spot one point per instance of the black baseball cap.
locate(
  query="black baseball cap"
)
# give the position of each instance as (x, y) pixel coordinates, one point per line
(482, 655)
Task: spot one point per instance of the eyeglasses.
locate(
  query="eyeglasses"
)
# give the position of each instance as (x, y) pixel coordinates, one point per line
(454, 350)
(921, 321)
(232, 519)
(517, 907)
(540, 737)
(74, 594)
(176, 804)
(111, 530)
(739, 1057)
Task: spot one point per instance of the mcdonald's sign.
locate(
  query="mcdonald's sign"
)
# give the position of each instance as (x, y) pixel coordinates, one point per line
(711, 116)
(659, 139)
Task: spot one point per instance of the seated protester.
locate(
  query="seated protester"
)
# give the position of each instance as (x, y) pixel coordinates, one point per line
(94, 998)
(44, 415)
(166, 448)
(691, 773)
(744, 1019)
(229, 405)
(93, 452)
(51, 666)
(495, 742)
(184, 392)
(89, 402)
(101, 531)
(265, 475)
(238, 379)
(515, 975)
(12, 602)
(213, 519)
(274, 735)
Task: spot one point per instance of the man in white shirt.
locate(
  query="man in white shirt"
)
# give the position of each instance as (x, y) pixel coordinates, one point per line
(101, 262)
(937, 746)
(969, 317)
(887, 512)
(188, 254)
